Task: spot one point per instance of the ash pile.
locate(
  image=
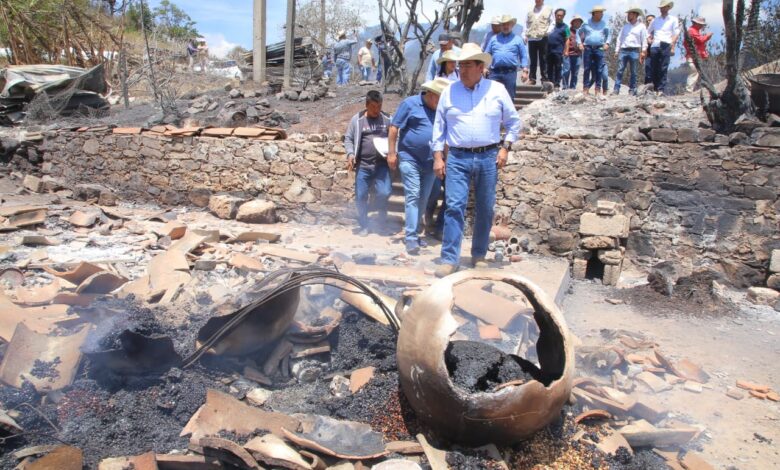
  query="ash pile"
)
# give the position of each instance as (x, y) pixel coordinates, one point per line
(139, 337)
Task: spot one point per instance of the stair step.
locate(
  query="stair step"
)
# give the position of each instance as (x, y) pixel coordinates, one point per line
(532, 88)
(523, 101)
(531, 95)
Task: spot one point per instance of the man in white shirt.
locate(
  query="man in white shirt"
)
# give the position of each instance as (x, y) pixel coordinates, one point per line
(663, 33)
(365, 60)
(469, 118)
(538, 25)
(630, 50)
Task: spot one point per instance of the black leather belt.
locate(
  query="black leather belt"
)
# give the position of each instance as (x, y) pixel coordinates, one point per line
(477, 149)
(594, 47)
(630, 49)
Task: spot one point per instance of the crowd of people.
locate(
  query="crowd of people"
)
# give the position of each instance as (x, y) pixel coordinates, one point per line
(456, 133)
(550, 49)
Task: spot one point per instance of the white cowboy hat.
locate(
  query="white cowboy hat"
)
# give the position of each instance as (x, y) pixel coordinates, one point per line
(449, 56)
(436, 86)
(472, 51)
(507, 19)
(496, 20)
(666, 3)
(635, 9)
(598, 8)
(341, 34)
(699, 20)
(576, 18)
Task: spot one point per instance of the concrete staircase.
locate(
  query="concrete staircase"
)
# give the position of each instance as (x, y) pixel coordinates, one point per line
(527, 94)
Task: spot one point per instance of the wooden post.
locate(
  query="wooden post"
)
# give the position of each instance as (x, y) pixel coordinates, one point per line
(258, 42)
(323, 26)
(289, 46)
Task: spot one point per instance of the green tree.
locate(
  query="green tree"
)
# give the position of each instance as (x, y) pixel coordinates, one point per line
(173, 22)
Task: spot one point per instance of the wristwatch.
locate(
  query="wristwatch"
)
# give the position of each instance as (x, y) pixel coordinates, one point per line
(506, 145)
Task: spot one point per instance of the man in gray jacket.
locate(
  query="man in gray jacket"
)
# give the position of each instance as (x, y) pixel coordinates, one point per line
(363, 157)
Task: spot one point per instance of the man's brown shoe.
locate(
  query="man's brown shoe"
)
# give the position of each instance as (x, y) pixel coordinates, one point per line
(445, 270)
(479, 263)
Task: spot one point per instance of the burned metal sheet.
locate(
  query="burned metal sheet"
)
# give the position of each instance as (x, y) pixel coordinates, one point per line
(262, 324)
(138, 355)
(48, 362)
(343, 439)
(504, 416)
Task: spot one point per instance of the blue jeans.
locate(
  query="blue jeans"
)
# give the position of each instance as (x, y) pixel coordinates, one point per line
(573, 69)
(431, 212)
(366, 72)
(585, 66)
(379, 70)
(380, 177)
(627, 58)
(463, 169)
(659, 65)
(418, 182)
(343, 71)
(594, 66)
(508, 79)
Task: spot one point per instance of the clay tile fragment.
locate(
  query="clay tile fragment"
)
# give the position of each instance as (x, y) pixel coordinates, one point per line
(38, 240)
(343, 439)
(592, 414)
(101, 283)
(38, 295)
(360, 377)
(228, 451)
(12, 276)
(127, 130)
(48, 362)
(140, 462)
(750, 386)
(61, 458)
(242, 261)
(82, 219)
(273, 451)
(8, 424)
(221, 412)
(76, 275)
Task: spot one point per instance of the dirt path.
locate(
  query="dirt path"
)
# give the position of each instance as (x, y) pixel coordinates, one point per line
(744, 345)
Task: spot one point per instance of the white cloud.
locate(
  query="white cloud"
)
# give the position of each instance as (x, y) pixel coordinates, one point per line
(218, 45)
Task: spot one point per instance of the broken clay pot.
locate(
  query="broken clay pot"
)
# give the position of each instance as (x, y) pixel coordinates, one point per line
(505, 416)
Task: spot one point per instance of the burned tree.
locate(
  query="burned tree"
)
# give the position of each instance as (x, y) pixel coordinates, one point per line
(465, 14)
(413, 30)
(723, 108)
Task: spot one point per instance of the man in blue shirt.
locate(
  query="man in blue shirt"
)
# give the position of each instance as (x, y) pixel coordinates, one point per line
(509, 54)
(446, 43)
(413, 121)
(342, 52)
(495, 28)
(594, 35)
(469, 119)
(557, 47)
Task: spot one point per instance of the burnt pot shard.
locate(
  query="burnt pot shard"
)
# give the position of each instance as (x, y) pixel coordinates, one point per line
(138, 355)
(508, 414)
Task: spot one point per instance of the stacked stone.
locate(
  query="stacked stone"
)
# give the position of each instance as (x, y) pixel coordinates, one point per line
(258, 211)
(602, 234)
(769, 295)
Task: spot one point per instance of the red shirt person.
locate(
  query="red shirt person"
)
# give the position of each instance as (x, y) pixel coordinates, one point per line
(700, 40)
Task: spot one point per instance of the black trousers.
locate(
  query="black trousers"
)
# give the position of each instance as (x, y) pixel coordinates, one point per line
(538, 52)
(554, 66)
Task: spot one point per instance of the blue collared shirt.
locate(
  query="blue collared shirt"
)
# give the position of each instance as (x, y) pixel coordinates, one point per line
(473, 118)
(594, 33)
(508, 51)
(433, 67)
(415, 123)
(490, 34)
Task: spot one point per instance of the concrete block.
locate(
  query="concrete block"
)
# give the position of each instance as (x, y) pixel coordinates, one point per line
(612, 274)
(608, 226)
(33, 183)
(774, 263)
(580, 268)
(663, 135)
(611, 257)
(598, 243)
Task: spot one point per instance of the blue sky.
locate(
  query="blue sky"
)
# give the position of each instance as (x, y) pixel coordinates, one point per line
(226, 24)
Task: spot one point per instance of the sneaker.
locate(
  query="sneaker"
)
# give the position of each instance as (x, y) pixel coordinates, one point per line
(413, 248)
(479, 263)
(446, 270)
(422, 243)
(363, 232)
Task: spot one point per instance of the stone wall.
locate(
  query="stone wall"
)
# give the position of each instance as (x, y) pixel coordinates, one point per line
(700, 201)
